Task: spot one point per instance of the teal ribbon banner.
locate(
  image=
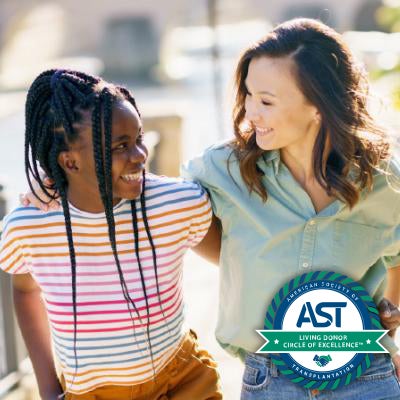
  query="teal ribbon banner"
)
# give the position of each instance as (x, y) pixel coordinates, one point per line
(278, 341)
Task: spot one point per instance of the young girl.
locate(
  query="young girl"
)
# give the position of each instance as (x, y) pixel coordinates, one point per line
(102, 277)
(306, 184)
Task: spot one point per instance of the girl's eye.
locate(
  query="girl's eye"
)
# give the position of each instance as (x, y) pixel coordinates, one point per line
(121, 146)
(139, 138)
(265, 103)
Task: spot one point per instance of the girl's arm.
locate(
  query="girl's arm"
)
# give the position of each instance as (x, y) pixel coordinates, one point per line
(392, 292)
(210, 247)
(392, 319)
(34, 325)
(389, 311)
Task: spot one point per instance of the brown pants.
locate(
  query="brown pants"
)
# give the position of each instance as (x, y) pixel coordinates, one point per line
(190, 375)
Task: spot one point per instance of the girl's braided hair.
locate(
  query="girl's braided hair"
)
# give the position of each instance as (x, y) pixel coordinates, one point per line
(54, 109)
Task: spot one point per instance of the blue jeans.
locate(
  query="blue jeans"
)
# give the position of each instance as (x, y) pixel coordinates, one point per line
(263, 381)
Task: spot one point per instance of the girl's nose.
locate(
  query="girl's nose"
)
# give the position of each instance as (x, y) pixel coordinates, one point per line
(138, 154)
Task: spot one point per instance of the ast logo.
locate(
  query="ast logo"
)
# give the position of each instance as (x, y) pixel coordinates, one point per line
(322, 329)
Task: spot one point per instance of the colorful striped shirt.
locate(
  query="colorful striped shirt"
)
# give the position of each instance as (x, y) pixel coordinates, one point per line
(112, 345)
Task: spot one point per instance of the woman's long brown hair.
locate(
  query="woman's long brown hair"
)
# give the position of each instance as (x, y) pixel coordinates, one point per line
(337, 86)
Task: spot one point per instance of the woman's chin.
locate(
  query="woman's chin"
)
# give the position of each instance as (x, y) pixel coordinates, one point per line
(265, 144)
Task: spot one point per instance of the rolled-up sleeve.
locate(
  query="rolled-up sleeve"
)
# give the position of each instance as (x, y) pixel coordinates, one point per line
(201, 169)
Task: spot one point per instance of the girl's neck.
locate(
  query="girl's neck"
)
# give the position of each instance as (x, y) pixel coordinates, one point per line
(87, 202)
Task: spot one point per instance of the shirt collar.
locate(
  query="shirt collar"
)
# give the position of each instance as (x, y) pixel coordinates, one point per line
(270, 158)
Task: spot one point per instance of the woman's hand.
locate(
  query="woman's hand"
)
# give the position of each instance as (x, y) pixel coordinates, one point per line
(46, 203)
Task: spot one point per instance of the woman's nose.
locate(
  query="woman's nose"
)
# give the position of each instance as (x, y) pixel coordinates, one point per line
(251, 113)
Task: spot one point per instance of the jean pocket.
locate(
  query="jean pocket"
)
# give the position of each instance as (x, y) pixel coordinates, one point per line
(257, 374)
(381, 367)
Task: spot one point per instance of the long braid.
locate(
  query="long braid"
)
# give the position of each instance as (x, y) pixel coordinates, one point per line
(103, 172)
(54, 104)
(129, 97)
(101, 178)
(150, 238)
(136, 235)
(108, 205)
(132, 100)
(48, 112)
(60, 184)
(38, 94)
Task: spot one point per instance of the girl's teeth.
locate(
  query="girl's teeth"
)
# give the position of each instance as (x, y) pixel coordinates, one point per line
(131, 177)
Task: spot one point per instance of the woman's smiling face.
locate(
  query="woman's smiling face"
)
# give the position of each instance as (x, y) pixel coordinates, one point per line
(277, 110)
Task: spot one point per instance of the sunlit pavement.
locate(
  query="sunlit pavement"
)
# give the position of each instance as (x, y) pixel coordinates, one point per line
(201, 280)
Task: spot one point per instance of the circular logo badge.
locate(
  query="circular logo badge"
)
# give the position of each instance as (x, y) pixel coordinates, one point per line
(322, 329)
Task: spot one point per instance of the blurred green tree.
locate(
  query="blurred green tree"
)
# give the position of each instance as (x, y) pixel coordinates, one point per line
(388, 16)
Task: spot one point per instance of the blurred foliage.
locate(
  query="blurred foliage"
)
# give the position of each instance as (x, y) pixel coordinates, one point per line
(388, 16)
(396, 98)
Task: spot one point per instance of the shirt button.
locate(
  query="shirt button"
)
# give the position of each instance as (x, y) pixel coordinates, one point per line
(312, 222)
(305, 265)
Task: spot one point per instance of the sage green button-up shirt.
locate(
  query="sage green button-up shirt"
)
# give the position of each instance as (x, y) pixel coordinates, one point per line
(264, 245)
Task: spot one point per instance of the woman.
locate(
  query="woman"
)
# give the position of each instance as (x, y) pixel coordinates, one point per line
(304, 185)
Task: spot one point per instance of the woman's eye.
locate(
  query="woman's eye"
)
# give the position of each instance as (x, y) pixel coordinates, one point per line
(265, 103)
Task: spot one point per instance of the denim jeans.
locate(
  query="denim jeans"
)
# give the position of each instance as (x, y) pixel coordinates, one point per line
(262, 381)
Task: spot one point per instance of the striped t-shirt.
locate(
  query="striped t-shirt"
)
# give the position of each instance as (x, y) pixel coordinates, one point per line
(111, 349)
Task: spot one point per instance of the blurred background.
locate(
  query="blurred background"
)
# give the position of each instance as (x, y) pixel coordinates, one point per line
(178, 58)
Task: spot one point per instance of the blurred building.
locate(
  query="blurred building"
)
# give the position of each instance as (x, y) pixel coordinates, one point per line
(126, 35)
(343, 16)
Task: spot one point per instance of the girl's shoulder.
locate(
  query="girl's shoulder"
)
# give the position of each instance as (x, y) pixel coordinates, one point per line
(159, 187)
(161, 181)
(23, 217)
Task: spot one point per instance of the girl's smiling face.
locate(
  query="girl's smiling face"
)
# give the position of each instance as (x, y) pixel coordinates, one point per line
(128, 160)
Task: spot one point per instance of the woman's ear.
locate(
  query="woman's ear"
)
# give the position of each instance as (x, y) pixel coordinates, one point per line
(68, 162)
